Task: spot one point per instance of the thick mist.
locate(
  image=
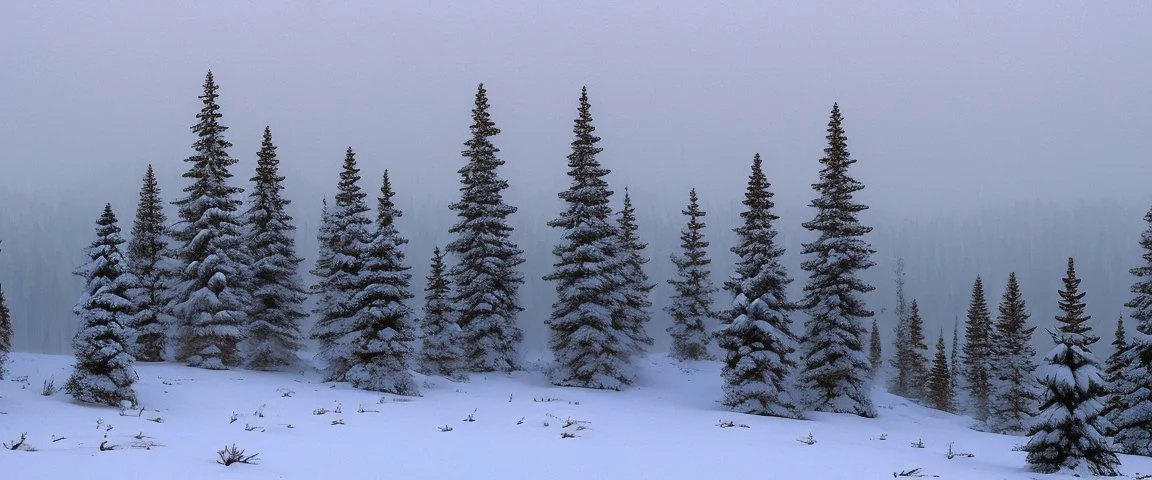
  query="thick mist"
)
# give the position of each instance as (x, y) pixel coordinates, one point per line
(992, 138)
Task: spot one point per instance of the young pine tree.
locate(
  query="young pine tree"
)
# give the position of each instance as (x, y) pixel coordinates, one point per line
(277, 309)
(104, 371)
(1013, 390)
(588, 349)
(757, 339)
(834, 370)
(902, 382)
(940, 394)
(383, 344)
(977, 352)
(441, 352)
(1117, 384)
(486, 275)
(212, 295)
(954, 363)
(1069, 432)
(322, 267)
(632, 317)
(918, 366)
(347, 239)
(1134, 429)
(5, 334)
(691, 304)
(875, 355)
(146, 255)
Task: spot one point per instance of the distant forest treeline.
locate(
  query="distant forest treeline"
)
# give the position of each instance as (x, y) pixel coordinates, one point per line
(44, 233)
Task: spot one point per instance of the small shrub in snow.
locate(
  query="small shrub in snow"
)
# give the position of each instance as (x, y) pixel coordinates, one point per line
(320, 411)
(338, 421)
(231, 454)
(471, 416)
(49, 387)
(259, 412)
(918, 444)
(915, 472)
(248, 427)
(17, 444)
(953, 454)
(233, 418)
(809, 440)
(445, 428)
(730, 424)
(107, 447)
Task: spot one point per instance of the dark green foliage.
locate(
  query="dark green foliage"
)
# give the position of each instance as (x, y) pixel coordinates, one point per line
(277, 309)
(904, 356)
(977, 350)
(1114, 374)
(917, 356)
(875, 355)
(940, 393)
(1134, 422)
(212, 296)
(1013, 386)
(834, 369)
(632, 314)
(1068, 432)
(145, 256)
(5, 334)
(486, 274)
(441, 352)
(691, 305)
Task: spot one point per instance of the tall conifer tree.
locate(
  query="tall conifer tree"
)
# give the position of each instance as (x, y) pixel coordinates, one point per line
(384, 328)
(691, 305)
(954, 364)
(277, 309)
(322, 267)
(757, 337)
(5, 333)
(835, 368)
(633, 316)
(1068, 433)
(212, 296)
(977, 350)
(348, 235)
(146, 255)
(104, 371)
(918, 364)
(588, 349)
(875, 354)
(904, 357)
(486, 275)
(1117, 383)
(1012, 383)
(1134, 429)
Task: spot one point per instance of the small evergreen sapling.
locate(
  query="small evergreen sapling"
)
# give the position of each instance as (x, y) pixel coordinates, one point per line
(901, 383)
(940, 394)
(632, 316)
(441, 352)
(104, 371)
(691, 305)
(917, 350)
(875, 354)
(1117, 383)
(1068, 432)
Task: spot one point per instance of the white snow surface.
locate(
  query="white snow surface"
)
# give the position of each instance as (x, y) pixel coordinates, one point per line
(665, 427)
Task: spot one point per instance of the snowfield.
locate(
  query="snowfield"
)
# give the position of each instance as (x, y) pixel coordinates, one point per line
(667, 427)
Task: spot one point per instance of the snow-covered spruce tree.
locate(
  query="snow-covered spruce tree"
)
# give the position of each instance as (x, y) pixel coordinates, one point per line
(901, 383)
(1069, 432)
(940, 395)
(691, 305)
(273, 330)
(146, 257)
(875, 354)
(104, 372)
(384, 327)
(322, 267)
(1134, 431)
(632, 316)
(441, 352)
(5, 334)
(212, 294)
(954, 362)
(918, 365)
(347, 233)
(1013, 390)
(1117, 385)
(977, 350)
(588, 350)
(834, 370)
(486, 274)
(758, 343)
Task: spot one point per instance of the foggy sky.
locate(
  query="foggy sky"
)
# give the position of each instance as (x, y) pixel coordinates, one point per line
(951, 108)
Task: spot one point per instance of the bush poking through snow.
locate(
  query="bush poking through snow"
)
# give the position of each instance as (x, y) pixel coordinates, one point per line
(953, 454)
(107, 447)
(320, 411)
(915, 472)
(259, 411)
(445, 428)
(233, 418)
(809, 440)
(338, 421)
(49, 387)
(918, 444)
(17, 444)
(567, 435)
(232, 454)
(730, 424)
(471, 416)
(249, 427)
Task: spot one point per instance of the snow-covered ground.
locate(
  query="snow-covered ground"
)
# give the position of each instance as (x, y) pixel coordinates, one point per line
(664, 428)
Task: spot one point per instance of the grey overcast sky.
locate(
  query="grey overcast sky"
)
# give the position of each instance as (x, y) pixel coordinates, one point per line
(947, 104)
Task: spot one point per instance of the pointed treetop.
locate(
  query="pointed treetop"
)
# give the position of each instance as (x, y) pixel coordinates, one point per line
(1073, 318)
(386, 208)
